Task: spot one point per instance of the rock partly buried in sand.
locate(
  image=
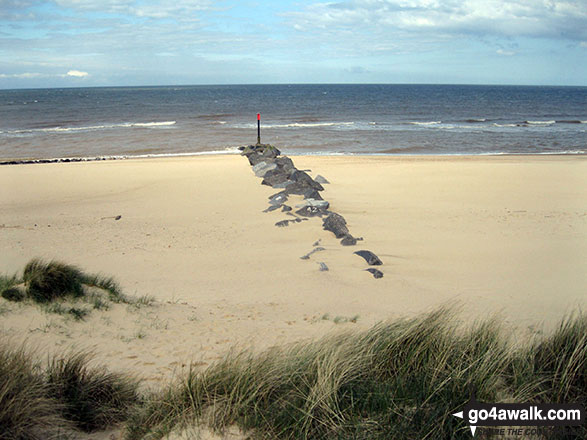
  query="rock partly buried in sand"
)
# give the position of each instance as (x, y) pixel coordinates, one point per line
(317, 249)
(272, 208)
(376, 273)
(283, 223)
(285, 208)
(370, 258)
(312, 211)
(278, 199)
(336, 224)
(321, 179)
(323, 267)
(314, 203)
(349, 240)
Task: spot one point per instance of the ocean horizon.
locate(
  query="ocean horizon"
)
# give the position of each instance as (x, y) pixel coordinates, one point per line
(323, 119)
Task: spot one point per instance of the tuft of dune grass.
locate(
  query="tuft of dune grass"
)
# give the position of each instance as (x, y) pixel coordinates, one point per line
(52, 284)
(27, 409)
(92, 398)
(46, 282)
(58, 401)
(9, 289)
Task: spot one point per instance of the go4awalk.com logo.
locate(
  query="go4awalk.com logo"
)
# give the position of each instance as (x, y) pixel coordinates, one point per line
(476, 414)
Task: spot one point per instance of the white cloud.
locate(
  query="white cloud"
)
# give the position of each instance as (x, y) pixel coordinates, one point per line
(36, 75)
(506, 53)
(535, 18)
(26, 75)
(77, 74)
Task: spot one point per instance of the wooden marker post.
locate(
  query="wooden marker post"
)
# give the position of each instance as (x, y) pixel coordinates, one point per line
(258, 128)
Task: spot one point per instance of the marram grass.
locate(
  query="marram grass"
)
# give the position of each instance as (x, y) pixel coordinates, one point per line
(61, 399)
(402, 380)
(92, 398)
(50, 284)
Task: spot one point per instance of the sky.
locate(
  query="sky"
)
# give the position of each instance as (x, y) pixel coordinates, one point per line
(85, 43)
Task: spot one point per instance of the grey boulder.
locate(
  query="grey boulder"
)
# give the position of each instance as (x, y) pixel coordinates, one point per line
(376, 273)
(370, 258)
(336, 224)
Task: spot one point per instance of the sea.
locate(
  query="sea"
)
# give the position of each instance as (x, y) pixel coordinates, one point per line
(323, 119)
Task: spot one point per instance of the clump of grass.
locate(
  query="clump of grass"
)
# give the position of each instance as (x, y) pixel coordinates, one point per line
(401, 380)
(27, 409)
(92, 398)
(8, 281)
(78, 313)
(108, 284)
(49, 283)
(555, 367)
(13, 294)
(64, 397)
(142, 301)
(99, 303)
(9, 288)
(46, 282)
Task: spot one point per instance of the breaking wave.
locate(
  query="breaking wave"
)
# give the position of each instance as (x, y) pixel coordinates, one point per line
(59, 129)
(298, 125)
(425, 123)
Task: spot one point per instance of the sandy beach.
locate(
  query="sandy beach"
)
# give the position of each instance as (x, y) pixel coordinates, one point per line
(502, 235)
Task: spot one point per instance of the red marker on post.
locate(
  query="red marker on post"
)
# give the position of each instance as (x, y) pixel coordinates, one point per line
(258, 128)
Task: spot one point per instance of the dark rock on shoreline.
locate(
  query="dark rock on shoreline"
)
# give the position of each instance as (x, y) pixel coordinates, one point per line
(376, 273)
(336, 224)
(275, 176)
(259, 153)
(272, 208)
(313, 251)
(60, 160)
(278, 199)
(283, 223)
(349, 240)
(304, 178)
(285, 163)
(321, 179)
(263, 167)
(370, 258)
(312, 211)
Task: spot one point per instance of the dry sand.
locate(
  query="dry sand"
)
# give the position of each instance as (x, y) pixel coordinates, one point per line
(503, 235)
